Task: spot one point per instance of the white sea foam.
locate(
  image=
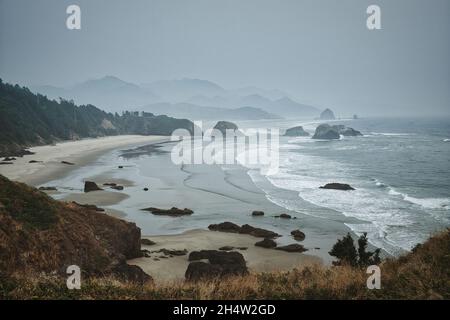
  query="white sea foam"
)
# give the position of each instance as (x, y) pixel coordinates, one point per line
(427, 203)
(390, 134)
(446, 140)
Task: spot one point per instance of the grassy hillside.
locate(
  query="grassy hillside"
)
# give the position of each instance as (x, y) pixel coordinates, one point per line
(28, 119)
(39, 235)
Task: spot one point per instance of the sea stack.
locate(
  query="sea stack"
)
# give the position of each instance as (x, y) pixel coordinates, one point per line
(296, 132)
(326, 132)
(224, 126)
(327, 114)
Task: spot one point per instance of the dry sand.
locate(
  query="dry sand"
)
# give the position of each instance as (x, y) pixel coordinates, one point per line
(79, 152)
(258, 259)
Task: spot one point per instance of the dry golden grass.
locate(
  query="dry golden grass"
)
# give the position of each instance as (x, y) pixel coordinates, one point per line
(422, 274)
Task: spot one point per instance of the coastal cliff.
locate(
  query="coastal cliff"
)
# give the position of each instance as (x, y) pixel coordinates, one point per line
(42, 235)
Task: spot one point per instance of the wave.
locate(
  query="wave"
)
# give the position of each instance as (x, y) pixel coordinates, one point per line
(446, 140)
(391, 134)
(430, 203)
(426, 203)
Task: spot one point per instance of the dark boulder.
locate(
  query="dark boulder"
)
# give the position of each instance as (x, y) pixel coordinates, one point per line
(225, 227)
(9, 159)
(131, 273)
(68, 163)
(147, 242)
(202, 270)
(296, 132)
(258, 232)
(34, 161)
(284, 216)
(337, 186)
(169, 252)
(221, 264)
(292, 248)
(173, 212)
(257, 213)
(266, 243)
(91, 186)
(226, 248)
(145, 189)
(110, 184)
(117, 188)
(298, 235)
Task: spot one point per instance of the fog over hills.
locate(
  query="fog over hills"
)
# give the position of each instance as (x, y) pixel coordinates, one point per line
(185, 98)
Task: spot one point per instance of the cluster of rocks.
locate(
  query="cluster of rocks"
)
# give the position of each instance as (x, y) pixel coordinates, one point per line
(244, 229)
(173, 212)
(113, 185)
(282, 216)
(328, 132)
(229, 248)
(271, 244)
(92, 186)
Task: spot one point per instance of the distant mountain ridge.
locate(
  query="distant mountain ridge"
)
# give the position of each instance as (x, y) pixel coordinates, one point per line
(28, 119)
(114, 94)
(196, 112)
(109, 93)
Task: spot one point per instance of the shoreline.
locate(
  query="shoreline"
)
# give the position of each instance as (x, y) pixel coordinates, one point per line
(232, 198)
(80, 153)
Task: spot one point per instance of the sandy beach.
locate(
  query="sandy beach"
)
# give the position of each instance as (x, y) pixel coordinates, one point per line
(232, 198)
(165, 268)
(79, 153)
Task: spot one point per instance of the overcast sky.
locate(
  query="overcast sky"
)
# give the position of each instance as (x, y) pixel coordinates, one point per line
(321, 52)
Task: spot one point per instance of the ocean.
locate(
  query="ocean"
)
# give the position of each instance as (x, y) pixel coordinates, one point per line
(400, 169)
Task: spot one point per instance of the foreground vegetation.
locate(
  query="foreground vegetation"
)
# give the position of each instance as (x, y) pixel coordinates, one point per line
(422, 274)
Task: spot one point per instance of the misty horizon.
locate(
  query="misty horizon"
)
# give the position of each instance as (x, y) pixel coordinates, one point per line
(319, 53)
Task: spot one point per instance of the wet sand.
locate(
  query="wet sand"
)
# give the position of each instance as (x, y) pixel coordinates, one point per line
(79, 152)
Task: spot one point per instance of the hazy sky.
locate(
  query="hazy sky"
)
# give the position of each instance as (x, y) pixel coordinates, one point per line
(319, 51)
